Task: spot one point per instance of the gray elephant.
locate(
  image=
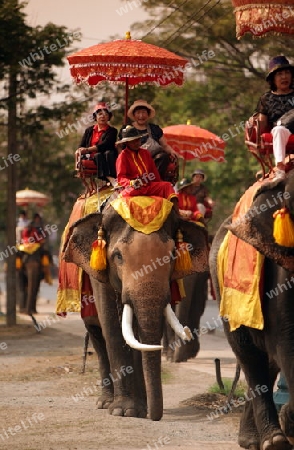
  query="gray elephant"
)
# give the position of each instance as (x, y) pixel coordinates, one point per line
(132, 304)
(30, 273)
(264, 352)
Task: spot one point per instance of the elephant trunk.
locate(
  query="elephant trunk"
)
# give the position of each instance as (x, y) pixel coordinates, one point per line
(152, 374)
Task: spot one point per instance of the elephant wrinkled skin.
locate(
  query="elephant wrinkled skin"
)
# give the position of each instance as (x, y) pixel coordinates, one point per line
(131, 379)
(263, 353)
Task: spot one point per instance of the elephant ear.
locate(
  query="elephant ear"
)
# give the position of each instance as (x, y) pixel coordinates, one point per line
(78, 246)
(197, 237)
(256, 226)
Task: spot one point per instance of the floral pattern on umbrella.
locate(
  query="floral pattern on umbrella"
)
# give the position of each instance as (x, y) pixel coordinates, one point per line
(129, 62)
(263, 16)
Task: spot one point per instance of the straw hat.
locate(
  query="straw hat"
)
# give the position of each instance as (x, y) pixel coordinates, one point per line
(141, 104)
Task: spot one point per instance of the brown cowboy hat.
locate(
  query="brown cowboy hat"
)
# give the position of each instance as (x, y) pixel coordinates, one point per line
(141, 104)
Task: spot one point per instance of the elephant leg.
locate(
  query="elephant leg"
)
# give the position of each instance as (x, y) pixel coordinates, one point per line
(125, 369)
(22, 290)
(93, 327)
(33, 274)
(248, 434)
(259, 377)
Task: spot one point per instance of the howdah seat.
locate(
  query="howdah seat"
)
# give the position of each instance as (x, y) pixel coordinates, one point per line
(261, 145)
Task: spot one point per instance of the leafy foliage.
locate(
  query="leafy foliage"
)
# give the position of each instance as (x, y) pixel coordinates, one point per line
(223, 85)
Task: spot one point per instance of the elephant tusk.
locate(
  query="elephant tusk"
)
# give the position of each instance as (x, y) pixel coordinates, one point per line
(183, 332)
(128, 334)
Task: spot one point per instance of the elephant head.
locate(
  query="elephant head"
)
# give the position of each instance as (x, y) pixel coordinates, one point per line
(257, 225)
(140, 267)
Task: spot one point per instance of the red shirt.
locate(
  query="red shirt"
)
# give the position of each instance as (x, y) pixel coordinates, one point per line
(131, 165)
(188, 202)
(97, 134)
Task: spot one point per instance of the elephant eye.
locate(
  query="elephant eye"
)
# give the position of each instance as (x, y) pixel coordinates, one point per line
(117, 257)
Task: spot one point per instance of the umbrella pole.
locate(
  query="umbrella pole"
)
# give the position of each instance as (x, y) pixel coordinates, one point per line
(183, 169)
(126, 100)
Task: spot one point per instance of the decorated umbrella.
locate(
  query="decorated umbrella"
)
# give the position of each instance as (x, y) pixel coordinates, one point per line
(193, 142)
(263, 16)
(27, 197)
(128, 62)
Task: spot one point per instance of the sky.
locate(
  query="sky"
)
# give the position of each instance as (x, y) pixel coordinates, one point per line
(97, 20)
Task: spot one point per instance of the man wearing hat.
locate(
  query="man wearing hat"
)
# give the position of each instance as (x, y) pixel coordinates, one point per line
(100, 138)
(136, 170)
(275, 109)
(187, 202)
(200, 191)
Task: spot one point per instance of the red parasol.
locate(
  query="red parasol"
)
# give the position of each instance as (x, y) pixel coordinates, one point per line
(263, 16)
(28, 196)
(192, 142)
(128, 62)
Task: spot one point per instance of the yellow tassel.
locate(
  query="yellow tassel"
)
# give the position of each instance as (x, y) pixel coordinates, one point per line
(183, 258)
(181, 286)
(45, 261)
(283, 228)
(18, 263)
(98, 255)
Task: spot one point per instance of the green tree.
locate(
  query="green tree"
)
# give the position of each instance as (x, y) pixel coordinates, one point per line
(28, 58)
(223, 85)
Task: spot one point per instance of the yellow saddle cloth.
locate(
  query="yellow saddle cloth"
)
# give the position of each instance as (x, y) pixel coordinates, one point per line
(239, 274)
(145, 214)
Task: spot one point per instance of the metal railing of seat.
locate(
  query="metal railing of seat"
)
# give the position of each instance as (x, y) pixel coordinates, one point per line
(260, 145)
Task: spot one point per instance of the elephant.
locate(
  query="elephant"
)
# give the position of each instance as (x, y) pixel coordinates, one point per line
(188, 311)
(264, 352)
(132, 304)
(30, 272)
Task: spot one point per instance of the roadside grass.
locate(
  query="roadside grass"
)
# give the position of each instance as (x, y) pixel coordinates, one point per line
(240, 390)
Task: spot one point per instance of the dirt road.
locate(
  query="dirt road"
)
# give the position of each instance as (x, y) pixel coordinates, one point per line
(45, 403)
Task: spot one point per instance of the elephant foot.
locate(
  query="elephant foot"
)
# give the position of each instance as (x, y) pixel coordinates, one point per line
(287, 423)
(277, 442)
(126, 407)
(104, 401)
(249, 442)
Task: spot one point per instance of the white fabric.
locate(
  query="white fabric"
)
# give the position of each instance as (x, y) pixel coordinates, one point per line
(280, 138)
(201, 208)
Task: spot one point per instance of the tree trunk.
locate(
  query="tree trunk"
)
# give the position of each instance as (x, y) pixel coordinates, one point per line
(11, 201)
